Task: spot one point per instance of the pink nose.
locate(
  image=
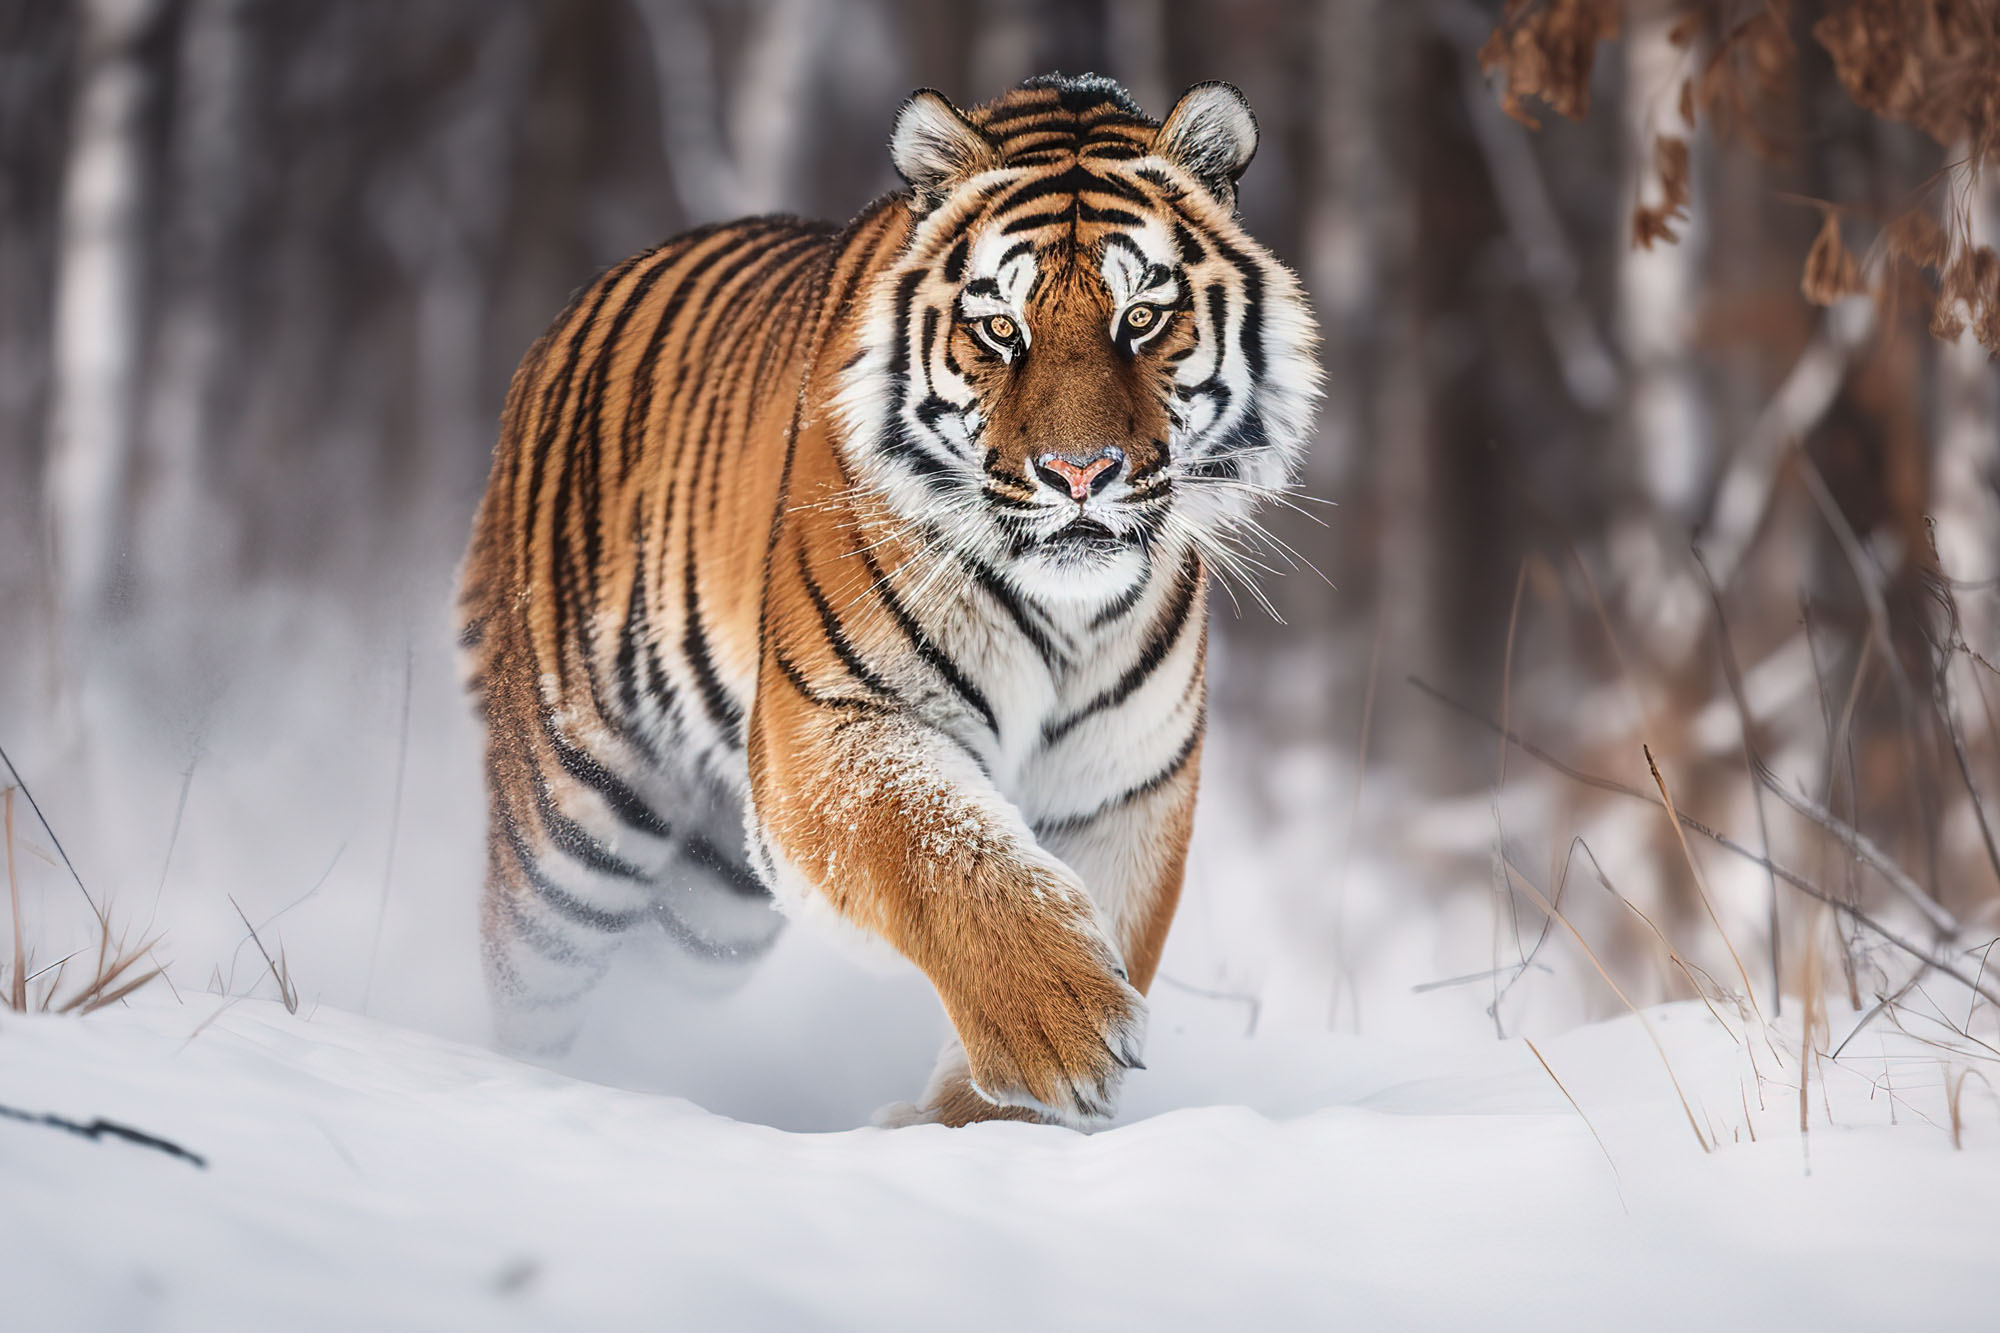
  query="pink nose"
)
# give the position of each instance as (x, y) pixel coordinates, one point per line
(1080, 478)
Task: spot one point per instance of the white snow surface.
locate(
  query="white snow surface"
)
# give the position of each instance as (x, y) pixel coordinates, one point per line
(363, 1176)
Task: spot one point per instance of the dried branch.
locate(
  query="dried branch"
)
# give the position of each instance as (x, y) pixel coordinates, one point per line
(1744, 495)
(1589, 370)
(1732, 674)
(1788, 876)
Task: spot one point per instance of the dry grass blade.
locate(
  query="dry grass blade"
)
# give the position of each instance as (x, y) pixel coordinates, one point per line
(389, 859)
(17, 990)
(1954, 1094)
(112, 979)
(1626, 1000)
(1698, 979)
(47, 828)
(279, 973)
(1732, 674)
(1700, 883)
(1616, 1179)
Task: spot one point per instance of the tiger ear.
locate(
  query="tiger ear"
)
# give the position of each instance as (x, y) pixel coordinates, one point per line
(934, 147)
(1211, 134)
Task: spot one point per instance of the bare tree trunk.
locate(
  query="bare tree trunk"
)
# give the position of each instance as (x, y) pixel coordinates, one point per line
(184, 535)
(1671, 443)
(772, 102)
(691, 136)
(99, 271)
(1965, 468)
(1361, 234)
(750, 163)
(1966, 464)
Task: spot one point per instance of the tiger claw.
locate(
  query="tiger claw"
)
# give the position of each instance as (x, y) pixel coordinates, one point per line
(1125, 1054)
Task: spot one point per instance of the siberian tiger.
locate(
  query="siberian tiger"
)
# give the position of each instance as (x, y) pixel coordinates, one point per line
(865, 568)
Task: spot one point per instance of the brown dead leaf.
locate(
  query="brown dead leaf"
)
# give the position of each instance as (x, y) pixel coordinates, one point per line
(1545, 50)
(1830, 272)
(1917, 237)
(1969, 297)
(1934, 64)
(1656, 222)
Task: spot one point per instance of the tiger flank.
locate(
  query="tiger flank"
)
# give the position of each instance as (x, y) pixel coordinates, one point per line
(866, 569)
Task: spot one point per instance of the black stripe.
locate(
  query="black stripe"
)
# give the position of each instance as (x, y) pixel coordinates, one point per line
(932, 655)
(1061, 217)
(1158, 645)
(639, 409)
(836, 633)
(798, 681)
(625, 721)
(555, 392)
(1045, 828)
(722, 710)
(996, 588)
(1252, 336)
(1124, 602)
(570, 838)
(562, 900)
(736, 876)
(1121, 217)
(619, 798)
(1073, 181)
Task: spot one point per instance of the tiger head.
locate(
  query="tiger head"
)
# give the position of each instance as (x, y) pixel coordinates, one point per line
(1079, 364)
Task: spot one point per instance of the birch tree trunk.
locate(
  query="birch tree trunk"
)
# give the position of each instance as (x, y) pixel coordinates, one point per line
(1965, 469)
(97, 335)
(744, 162)
(1671, 443)
(1360, 235)
(1966, 464)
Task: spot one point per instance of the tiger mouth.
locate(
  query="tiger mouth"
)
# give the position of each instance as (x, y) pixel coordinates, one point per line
(1083, 535)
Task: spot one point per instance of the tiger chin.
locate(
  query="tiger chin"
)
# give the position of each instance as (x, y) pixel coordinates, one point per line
(864, 570)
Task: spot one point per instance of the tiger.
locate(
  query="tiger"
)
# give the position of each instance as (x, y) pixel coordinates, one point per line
(861, 572)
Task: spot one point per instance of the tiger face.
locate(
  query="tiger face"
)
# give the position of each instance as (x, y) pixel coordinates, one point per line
(1081, 365)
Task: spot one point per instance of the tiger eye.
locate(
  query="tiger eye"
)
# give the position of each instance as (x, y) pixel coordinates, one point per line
(1140, 317)
(1000, 327)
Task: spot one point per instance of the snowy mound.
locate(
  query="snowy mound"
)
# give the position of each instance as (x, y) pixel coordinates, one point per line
(352, 1175)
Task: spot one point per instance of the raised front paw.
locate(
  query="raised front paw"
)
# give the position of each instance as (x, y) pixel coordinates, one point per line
(1048, 1020)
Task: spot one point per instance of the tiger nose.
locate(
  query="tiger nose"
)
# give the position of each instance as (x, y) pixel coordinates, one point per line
(1080, 477)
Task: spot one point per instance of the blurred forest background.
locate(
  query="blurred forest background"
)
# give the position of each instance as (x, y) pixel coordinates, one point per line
(1657, 415)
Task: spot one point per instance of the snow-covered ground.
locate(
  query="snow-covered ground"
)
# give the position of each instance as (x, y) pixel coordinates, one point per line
(362, 1176)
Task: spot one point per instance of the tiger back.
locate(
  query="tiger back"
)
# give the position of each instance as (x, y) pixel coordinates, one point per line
(865, 570)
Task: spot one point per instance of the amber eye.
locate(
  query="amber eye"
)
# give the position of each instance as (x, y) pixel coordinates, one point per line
(1142, 321)
(1001, 329)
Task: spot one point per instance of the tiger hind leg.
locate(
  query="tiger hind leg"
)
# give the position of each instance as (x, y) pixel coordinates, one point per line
(574, 862)
(582, 861)
(549, 932)
(719, 917)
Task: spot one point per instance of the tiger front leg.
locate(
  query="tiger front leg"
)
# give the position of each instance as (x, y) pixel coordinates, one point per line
(891, 824)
